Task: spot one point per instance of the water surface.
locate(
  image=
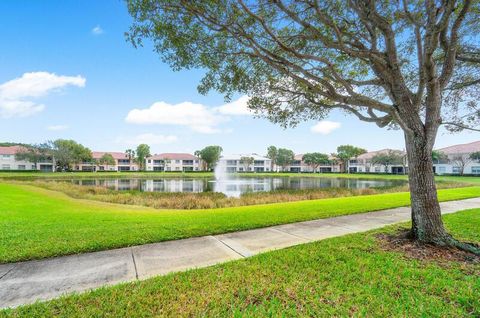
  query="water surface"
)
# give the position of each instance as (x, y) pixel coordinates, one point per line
(233, 186)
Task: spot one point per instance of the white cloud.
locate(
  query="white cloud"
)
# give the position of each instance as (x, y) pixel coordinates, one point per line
(147, 138)
(97, 30)
(196, 116)
(325, 127)
(15, 94)
(57, 127)
(237, 107)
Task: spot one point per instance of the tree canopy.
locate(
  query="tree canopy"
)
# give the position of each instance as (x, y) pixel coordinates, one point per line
(68, 152)
(347, 152)
(272, 155)
(388, 158)
(438, 156)
(107, 159)
(413, 65)
(143, 151)
(285, 157)
(315, 159)
(246, 162)
(298, 60)
(210, 155)
(475, 155)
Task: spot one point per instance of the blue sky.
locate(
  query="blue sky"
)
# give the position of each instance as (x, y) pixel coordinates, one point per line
(67, 72)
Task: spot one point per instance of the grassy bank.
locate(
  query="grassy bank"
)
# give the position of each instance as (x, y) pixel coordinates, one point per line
(38, 223)
(345, 276)
(210, 200)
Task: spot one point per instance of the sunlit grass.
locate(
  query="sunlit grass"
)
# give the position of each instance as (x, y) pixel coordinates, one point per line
(37, 223)
(340, 277)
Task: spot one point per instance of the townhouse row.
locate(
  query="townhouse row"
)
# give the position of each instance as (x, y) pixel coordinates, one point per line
(456, 160)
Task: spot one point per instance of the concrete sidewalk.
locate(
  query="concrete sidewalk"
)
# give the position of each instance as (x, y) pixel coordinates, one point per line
(26, 282)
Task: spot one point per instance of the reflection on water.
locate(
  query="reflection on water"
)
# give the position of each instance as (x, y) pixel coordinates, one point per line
(233, 187)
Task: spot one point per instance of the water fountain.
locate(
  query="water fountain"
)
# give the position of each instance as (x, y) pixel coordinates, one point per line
(234, 186)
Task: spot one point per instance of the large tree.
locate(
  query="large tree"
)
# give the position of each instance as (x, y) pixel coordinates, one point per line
(246, 162)
(412, 65)
(34, 153)
(475, 156)
(130, 155)
(107, 160)
(316, 159)
(210, 155)
(143, 151)
(68, 153)
(461, 161)
(272, 153)
(388, 158)
(285, 157)
(347, 152)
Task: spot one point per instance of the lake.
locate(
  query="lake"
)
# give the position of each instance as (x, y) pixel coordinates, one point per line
(234, 186)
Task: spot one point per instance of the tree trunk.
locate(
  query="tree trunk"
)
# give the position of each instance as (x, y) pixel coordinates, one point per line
(427, 225)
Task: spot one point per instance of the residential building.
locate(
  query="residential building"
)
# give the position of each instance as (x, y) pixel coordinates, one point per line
(234, 163)
(298, 165)
(174, 162)
(9, 162)
(122, 163)
(457, 159)
(365, 164)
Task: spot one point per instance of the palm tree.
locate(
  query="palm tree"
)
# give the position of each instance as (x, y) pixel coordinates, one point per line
(130, 153)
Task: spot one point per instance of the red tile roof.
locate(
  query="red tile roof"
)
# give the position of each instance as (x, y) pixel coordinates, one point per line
(11, 150)
(298, 157)
(462, 149)
(115, 154)
(173, 156)
(371, 154)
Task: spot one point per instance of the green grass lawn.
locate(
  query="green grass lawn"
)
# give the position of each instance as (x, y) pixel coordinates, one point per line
(37, 223)
(344, 276)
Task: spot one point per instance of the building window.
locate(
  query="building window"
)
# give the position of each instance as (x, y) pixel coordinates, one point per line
(456, 170)
(21, 167)
(231, 162)
(377, 169)
(177, 161)
(5, 167)
(258, 163)
(476, 170)
(442, 169)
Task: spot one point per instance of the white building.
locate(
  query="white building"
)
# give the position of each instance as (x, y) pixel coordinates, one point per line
(365, 163)
(457, 160)
(122, 162)
(9, 162)
(298, 165)
(234, 163)
(174, 162)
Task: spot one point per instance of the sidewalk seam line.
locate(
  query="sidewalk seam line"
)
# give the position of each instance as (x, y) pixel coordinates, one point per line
(294, 235)
(11, 269)
(229, 246)
(134, 263)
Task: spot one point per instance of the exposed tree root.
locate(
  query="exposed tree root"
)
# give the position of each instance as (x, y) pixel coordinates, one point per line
(445, 240)
(464, 246)
(442, 252)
